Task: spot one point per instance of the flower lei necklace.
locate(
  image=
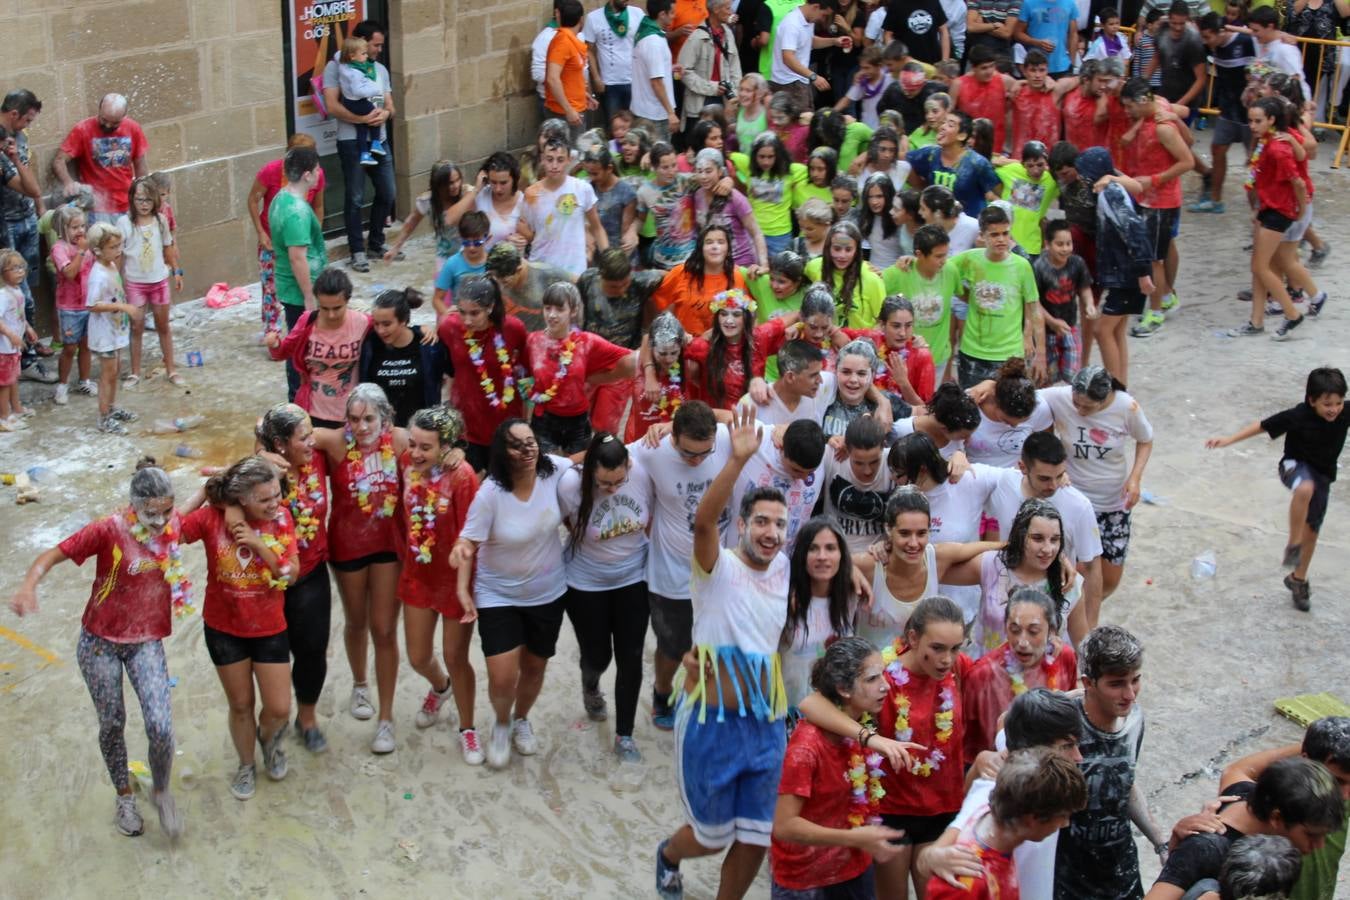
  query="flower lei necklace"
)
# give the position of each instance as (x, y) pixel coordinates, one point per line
(422, 513)
(480, 366)
(360, 479)
(864, 776)
(280, 545)
(569, 347)
(1018, 678)
(943, 718)
(1255, 162)
(671, 395)
(169, 558)
(305, 495)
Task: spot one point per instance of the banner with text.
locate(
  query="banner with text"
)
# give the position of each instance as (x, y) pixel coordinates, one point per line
(317, 31)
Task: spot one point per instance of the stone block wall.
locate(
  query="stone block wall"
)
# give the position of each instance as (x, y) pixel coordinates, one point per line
(205, 78)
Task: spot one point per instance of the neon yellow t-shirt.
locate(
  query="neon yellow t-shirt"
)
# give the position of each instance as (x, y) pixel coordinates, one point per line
(770, 197)
(867, 296)
(932, 300)
(1030, 201)
(999, 294)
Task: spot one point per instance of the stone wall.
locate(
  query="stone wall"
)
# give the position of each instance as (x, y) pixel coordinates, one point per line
(205, 78)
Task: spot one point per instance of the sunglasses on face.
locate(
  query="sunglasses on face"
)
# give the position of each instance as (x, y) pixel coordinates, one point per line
(474, 243)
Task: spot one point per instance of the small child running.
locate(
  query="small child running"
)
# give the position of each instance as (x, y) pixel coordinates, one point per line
(1314, 435)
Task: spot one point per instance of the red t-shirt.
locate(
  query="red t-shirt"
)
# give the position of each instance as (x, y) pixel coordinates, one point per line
(770, 338)
(481, 418)
(313, 551)
(354, 533)
(1079, 129)
(644, 415)
(815, 768)
(271, 177)
(1146, 155)
(1000, 873)
(431, 585)
(1276, 170)
(239, 601)
(106, 159)
(1035, 118)
(987, 691)
(918, 364)
(130, 600)
(590, 355)
(733, 377)
(985, 100)
(909, 794)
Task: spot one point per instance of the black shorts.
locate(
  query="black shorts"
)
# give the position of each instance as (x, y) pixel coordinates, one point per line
(477, 455)
(918, 829)
(563, 435)
(361, 562)
(1293, 473)
(673, 625)
(327, 423)
(862, 887)
(504, 628)
(1162, 224)
(1123, 302)
(1274, 220)
(226, 649)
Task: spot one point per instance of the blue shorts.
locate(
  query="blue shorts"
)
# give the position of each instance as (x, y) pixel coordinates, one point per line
(728, 774)
(74, 324)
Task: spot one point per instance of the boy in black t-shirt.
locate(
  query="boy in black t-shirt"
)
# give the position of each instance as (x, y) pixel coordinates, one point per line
(1314, 435)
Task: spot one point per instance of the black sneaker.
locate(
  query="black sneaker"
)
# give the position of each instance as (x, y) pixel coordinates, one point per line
(1301, 589)
(1316, 303)
(1288, 325)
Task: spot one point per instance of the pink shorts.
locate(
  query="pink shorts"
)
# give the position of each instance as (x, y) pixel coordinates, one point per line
(156, 294)
(9, 369)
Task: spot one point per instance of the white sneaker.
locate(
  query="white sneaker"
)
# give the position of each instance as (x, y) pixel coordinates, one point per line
(384, 738)
(62, 395)
(360, 704)
(16, 423)
(127, 818)
(88, 387)
(522, 737)
(499, 747)
(431, 708)
(469, 746)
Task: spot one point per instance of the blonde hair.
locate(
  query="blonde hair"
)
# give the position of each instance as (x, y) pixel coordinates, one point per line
(350, 47)
(101, 233)
(66, 217)
(10, 257)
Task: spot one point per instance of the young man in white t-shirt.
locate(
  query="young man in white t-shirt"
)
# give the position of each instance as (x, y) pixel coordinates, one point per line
(558, 212)
(727, 758)
(793, 469)
(855, 489)
(610, 53)
(653, 102)
(1040, 474)
(803, 390)
(793, 42)
(678, 471)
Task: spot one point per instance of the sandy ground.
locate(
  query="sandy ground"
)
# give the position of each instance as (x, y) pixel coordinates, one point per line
(571, 822)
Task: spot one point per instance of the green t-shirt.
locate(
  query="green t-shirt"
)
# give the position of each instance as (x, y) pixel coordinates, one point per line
(932, 300)
(867, 296)
(998, 294)
(768, 306)
(770, 197)
(1317, 880)
(293, 224)
(804, 190)
(856, 138)
(922, 137)
(1030, 201)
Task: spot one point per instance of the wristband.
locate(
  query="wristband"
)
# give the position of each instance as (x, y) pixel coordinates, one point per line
(178, 272)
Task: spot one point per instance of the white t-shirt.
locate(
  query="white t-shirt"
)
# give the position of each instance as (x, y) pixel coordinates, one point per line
(500, 228)
(904, 427)
(737, 606)
(858, 509)
(558, 219)
(955, 517)
(869, 115)
(963, 234)
(767, 469)
(955, 11)
(1035, 860)
(876, 22)
(795, 34)
(651, 59)
(885, 619)
(519, 552)
(108, 331)
(143, 250)
(12, 315)
(676, 489)
(1082, 538)
(804, 646)
(899, 175)
(999, 444)
(539, 59)
(812, 408)
(1099, 463)
(997, 584)
(614, 53)
(613, 551)
(332, 77)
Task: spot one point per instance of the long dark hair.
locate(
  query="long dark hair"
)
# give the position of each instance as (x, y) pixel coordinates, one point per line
(714, 384)
(782, 163)
(867, 218)
(828, 129)
(852, 282)
(1014, 551)
(608, 452)
(501, 161)
(799, 581)
(499, 468)
(441, 170)
(953, 408)
(484, 291)
(694, 265)
(914, 454)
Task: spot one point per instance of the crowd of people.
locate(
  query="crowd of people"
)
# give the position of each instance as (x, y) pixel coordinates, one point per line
(788, 357)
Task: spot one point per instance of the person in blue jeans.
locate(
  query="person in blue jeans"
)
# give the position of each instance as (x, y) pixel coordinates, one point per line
(362, 246)
(18, 190)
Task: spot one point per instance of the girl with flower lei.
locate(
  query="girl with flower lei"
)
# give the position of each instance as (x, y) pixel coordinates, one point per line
(438, 488)
(923, 713)
(662, 387)
(720, 364)
(125, 621)
(819, 842)
(812, 322)
(1033, 656)
(567, 361)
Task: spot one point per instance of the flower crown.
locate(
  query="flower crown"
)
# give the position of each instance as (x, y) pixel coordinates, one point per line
(734, 299)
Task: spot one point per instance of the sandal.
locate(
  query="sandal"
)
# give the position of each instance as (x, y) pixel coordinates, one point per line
(177, 380)
(131, 381)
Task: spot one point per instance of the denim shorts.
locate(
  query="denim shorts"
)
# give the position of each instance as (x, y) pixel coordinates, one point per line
(74, 324)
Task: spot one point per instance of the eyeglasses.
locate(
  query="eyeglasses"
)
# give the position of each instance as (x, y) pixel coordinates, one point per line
(611, 485)
(474, 243)
(693, 454)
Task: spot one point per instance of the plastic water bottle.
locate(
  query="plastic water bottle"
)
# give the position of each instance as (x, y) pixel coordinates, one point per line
(187, 452)
(182, 423)
(1204, 566)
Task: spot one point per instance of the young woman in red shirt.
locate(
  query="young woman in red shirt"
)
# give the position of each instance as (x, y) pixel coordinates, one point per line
(438, 487)
(665, 384)
(566, 361)
(719, 365)
(138, 581)
(249, 565)
(908, 371)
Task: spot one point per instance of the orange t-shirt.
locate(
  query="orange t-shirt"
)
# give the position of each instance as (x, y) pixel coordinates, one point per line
(568, 51)
(678, 293)
(687, 12)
